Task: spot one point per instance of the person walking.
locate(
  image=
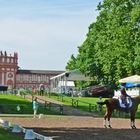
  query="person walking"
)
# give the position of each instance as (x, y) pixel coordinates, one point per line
(35, 107)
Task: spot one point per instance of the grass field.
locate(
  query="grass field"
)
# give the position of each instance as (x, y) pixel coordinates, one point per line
(9, 103)
(83, 104)
(67, 100)
(8, 135)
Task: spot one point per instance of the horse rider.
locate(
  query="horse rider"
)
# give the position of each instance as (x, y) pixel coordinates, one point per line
(124, 95)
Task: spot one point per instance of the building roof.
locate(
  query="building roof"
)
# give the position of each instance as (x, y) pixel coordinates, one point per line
(23, 71)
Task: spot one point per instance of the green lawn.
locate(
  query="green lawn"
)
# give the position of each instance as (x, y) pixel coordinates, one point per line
(8, 135)
(67, 100)
(83, 104)
(9, 103)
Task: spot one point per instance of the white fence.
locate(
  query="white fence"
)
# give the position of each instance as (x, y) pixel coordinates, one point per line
(29, 133)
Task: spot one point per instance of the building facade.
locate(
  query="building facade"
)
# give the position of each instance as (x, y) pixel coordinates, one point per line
(16, 78)
(34, 78)
(8, 69)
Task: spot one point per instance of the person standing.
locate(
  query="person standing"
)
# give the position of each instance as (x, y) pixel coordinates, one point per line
(35, 107)
(42, 89)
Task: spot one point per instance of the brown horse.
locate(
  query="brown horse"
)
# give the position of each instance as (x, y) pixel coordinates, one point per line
(113, 103)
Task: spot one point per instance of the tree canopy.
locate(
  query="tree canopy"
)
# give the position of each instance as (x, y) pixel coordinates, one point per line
(111, 49)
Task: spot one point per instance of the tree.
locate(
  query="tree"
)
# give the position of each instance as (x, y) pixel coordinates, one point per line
(112, 48)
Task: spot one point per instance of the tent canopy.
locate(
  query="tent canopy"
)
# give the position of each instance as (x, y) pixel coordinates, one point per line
(131, 85)
(74, 75)
(131, 79)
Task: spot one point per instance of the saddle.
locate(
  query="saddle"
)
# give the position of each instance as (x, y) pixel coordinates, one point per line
(125, 103)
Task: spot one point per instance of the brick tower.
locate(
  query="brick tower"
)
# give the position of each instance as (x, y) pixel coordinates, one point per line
(8, 69)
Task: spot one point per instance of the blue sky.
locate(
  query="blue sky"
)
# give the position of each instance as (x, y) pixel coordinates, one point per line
(45, 33)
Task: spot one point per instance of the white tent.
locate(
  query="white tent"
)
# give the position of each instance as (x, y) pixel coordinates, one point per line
(132, 92)
(61, 86)
(69, 83)
(131, 79)
(74, 75)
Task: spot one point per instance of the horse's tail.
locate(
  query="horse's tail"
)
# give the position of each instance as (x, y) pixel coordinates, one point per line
(103, 103)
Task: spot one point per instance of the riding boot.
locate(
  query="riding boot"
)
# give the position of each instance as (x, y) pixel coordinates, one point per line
(127, 107)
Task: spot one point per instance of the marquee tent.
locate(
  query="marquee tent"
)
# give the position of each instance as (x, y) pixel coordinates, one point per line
(131, 85)
(74, 75)
(131, 79)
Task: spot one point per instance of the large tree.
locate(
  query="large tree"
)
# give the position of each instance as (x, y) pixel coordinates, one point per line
(112, 47)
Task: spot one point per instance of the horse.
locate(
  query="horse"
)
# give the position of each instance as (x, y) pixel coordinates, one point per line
(113, 103)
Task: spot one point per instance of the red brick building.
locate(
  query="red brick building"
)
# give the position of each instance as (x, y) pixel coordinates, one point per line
(8, 69)
(11, 75)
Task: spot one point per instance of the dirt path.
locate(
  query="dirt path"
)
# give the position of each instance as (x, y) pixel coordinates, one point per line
(79, 128)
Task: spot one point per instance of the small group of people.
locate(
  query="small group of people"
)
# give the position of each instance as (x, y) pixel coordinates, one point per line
(41, 90)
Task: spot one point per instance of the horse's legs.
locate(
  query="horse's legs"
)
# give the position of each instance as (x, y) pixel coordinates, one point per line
(107, 116)
(132, 120)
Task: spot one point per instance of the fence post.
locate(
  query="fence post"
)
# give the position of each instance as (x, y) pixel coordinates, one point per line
(62, 98)
(74, 102)
(89, 107)
(45, 104)
(61, 109)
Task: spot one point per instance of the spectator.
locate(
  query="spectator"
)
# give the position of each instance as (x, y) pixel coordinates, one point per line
(42, 89)
(35, 106)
